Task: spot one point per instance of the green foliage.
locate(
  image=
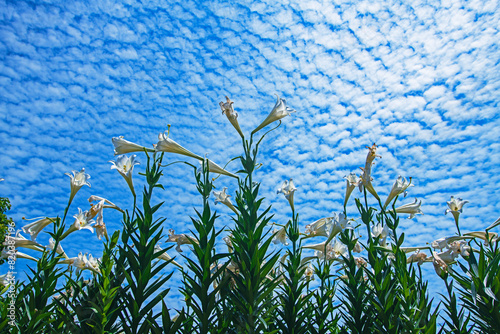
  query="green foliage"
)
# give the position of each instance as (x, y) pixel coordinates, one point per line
(5, 222)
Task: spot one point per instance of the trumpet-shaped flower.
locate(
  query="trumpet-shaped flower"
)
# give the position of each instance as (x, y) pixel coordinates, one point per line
(232, 116)
(100, 226)
(399, 187)
(17, 255)
(107, 204)
(418, 257)
(166, 144)
(180, 239)
(214, 168)
(487, 237)
(455, 207)
(279, 111)
(82, 222)
(411, 208)
(309, 272)
(36, 227)
(222, 197)
(229, 243)
(381, 232)
(125, 166)
(20, 241)
(320, 227)
(280, 236)
(352, 182)
(59, 249)
(123, 146)
(78, 180)
(366, 178)
(287, 188)
(164, 256)
(444, 242)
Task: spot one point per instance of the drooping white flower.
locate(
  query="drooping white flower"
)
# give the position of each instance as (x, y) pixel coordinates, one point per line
(82, 222)
(20, 241)
(214, 168)
(78, 180)
(59, 249)
(309, 272)
(352, 182)
(36, 227)
(82, 262)
(460, 247)
(440, 266)
(411, 208)
(17, 255)
(107, 204)
(444, 242)
(418, 257)
(222, 197)
(165, 256)
(232, 116)
(100, 226)
(279, 111)
(487, 237)
(125, 166)
(399, 187)
(381, 232)
(287, 188)
(165, 144)
(123, 146)
(280, 236)
(180, 239)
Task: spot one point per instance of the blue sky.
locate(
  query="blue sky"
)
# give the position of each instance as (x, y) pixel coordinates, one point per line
(420, 79)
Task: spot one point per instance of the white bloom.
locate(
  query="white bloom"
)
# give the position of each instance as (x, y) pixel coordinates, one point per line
(165, 256)
(443, 242)
(59, 249)
(78, 180)
(229, 243)
(232, 116)
(280, 236)
(279, 111)
(360, 262)
(123, 146)
(490, 237)
(20, 241)
(36, 227)
(455, 207)
(82, 222)
(366, 178)
(352, 182)
(107, 204)
(309, 272)
(381, 232)
(459, 247)
(166, 144)
(439, 265)
(180, 239)
(17, 255)
(125, 166)
(214, 168)
(222, 197)
(287, 188)
(411, 208)
(417, 257)
(399, 187)
(357, 248)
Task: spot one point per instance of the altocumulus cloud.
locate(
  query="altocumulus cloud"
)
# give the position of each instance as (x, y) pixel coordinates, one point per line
(420, 80)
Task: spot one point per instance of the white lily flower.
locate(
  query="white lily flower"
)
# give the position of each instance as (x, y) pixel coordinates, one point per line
(100, 226)
(36, 227)
(490, 237)
(165, 256)
(232, 116)
(280, 236)
(125, 166)
(123, 146)
(279, 111)
(455, 207)
(444, 242)
(357, 247)
(82, 222)
(20, 241)
(214, 168)
(381, 232)
(360, 262)
(166, 144)
(319, 227)
(367, 170)
(398, 188)
(418, 256)
(107, 204)
(287, 188)
(352, 182)
(5, 279)
(59, 249)
(440, 266)
(459, 247)
(17, 255)
(222, 197)
(411, 208)
(309, 272)
(78, 180)
(180, 239)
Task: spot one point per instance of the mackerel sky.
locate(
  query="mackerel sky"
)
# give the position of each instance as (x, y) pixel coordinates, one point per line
(420, 79)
